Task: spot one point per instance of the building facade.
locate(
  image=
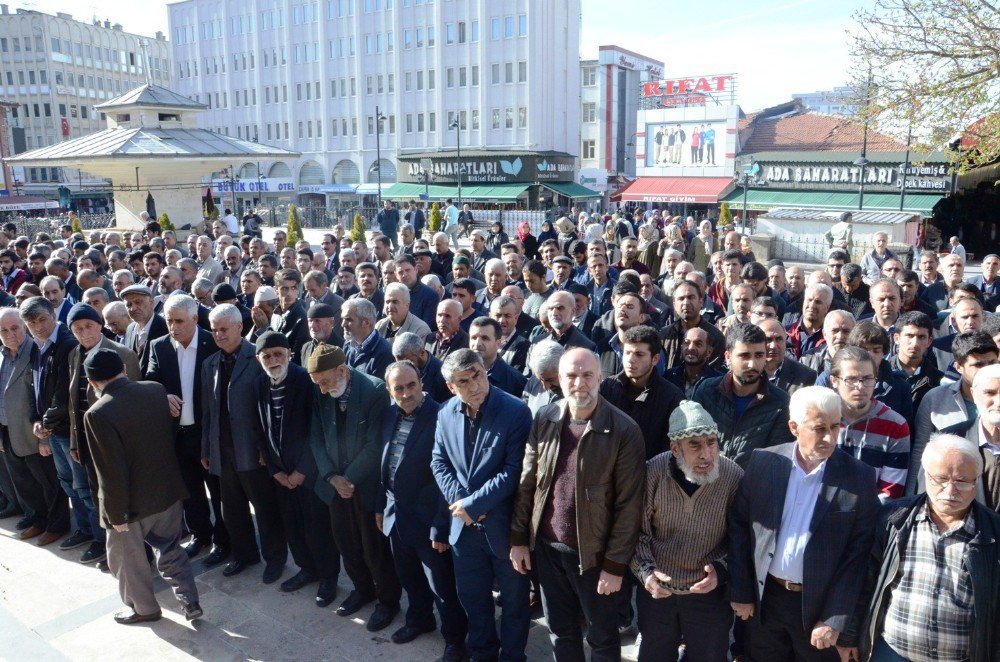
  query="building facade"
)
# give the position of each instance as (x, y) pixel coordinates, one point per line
(54, 71)
(838, 101)
(609, 107)
(314, 76)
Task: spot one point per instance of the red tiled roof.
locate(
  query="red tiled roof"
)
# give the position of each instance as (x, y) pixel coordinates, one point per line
(810, 132)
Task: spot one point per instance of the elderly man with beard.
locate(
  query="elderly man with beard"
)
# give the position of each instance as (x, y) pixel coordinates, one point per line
(367, 351)
(696, 351)
(933, 570)
(582, 545)
(680, 559)
(800, 529)
(750, 411)
(323, 328)
(559, 309)
(284, 401)
(783, 372)
(639, 390)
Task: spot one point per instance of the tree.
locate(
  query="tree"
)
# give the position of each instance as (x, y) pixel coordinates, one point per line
(294, 226)
(932, 65)
(358, 228)
(434, 224)
(725, 216)
(165, 222)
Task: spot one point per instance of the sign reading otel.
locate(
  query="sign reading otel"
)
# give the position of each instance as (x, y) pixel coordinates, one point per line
(269, 185)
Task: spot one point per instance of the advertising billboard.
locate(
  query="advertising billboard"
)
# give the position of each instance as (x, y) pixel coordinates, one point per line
(679, 144)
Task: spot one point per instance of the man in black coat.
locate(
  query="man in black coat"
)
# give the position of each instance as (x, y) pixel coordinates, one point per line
(388, 222)
(290, 317)
(414, 515)
(175, 360)
(284, 400)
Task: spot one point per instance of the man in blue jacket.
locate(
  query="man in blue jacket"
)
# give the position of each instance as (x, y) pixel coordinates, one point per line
(414, 515)
(478, 448)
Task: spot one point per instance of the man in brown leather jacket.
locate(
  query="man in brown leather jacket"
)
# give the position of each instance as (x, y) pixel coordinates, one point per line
(578, 506)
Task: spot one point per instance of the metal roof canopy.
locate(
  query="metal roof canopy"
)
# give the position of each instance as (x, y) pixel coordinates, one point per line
(862, 217)
(152, 96)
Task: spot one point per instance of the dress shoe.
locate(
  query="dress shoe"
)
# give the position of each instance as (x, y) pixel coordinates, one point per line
(194, 547)
(272, 572)
(77, 539)
(327, 592)
(24, 523)
(236, 567)
(103, 566)
(455, 653)
(354, 602)
(31, 532)
(95, 553)
(382, 616)
(193, 611)
(408, 633)
(216, 556)
(300, 579)
(131, 618)
(10, 511)
(48, 538)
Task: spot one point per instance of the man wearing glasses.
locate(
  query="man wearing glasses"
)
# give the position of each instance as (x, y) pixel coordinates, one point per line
(869, 429)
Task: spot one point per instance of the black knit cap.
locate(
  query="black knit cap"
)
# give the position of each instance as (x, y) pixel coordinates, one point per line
(321, 311)
(270, 340)
(103, 364)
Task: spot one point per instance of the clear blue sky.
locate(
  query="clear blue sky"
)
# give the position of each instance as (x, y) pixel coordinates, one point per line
(777, 47)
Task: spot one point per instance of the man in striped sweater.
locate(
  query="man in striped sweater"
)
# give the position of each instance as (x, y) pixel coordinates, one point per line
(870, 430)
(680, 559)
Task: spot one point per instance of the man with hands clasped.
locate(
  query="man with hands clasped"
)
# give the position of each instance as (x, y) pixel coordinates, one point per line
(578, 506)
(680, 559)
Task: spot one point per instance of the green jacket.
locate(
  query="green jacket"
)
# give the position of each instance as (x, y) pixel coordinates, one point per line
(359, 457)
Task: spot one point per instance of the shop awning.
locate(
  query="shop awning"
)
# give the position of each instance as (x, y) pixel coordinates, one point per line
(695, 190)
(477, 193)
(765, 199)
(572, 190)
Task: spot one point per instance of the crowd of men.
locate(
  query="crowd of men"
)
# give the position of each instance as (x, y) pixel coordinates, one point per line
(755, 461)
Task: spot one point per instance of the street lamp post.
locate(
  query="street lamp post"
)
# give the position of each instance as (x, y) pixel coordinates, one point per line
(458, 155)
(863, 161)
(232, 184)
(904, 168)
(378, 153)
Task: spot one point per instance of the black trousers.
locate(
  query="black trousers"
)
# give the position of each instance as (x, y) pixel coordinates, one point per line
(239, 490)
(566, 594)
(364, 550)
(702, 621)
(197, 513)
(777, 633)
(37, 485)
(306, 522)
(428, 577)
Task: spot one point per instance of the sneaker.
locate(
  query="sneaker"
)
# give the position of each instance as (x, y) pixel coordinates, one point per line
(78, 539)
(96, 553)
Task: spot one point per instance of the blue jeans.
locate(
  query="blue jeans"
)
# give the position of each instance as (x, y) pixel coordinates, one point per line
(881, 652)
(75, 483)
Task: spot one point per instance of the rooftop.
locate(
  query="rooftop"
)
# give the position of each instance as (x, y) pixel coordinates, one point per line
(150, 95)
(807, 131)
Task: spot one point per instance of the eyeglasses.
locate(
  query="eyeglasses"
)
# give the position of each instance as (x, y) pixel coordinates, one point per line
(858, 382)
(961, 485)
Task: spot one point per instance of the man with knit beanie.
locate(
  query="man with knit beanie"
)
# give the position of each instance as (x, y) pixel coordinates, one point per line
(680, 558)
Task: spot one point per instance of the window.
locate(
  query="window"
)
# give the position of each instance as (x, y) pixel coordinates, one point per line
(496, 118)
(475, 119)
(371, 125)
(508, 119)
(522, 117)
(589, 76)
(589, 150)
(431, 75)
(420, 37)
(407, 39)
(409, 122)
(461, 32)
(449, 33)
(408, 81)
(475, 75)
(508, 72)
(589, 112)
(508, 27)
(475, 31)
(495, 73)
(430, 36)
(522, 25)
(495, 28)
(431, 122)
(463, 78)
(522, 71)
(392, 83)
(381, 86)
(420, 122)
(450, 78)
(368, 84)
(420, 80)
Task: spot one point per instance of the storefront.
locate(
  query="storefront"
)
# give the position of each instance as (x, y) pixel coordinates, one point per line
(836, 181)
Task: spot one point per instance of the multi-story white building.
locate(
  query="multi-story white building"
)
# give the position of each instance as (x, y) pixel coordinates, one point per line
(838, 101)
(54, 71)
(609, 104)
(310, 75)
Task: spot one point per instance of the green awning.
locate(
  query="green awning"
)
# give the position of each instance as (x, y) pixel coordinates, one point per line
(572, 190)
(765, 199)
(477, 192)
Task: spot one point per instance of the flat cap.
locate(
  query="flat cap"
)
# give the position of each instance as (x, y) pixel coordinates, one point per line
(325, 357)
(136, 289)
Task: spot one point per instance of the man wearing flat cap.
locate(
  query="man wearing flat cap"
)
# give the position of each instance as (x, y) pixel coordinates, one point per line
(284, 402)
(346, 443)
(224, 293)
(323, 321)
(140, 485)
(680, 559)
(86, 325)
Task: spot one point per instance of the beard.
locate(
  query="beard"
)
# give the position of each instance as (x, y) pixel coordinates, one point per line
(746, 381)
(992, 417)
(278, 373)
(696, 478)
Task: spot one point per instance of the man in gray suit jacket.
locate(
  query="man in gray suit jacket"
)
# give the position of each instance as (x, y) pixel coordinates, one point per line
(800, 530)
(231, 443)
(46, 509)
(140, 485)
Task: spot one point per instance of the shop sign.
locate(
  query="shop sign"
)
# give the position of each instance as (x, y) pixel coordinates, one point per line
(502, 169)
(931, 177)
(263, 185)
(310, 188)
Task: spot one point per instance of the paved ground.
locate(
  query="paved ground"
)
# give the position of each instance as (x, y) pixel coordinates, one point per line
(53, 609)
